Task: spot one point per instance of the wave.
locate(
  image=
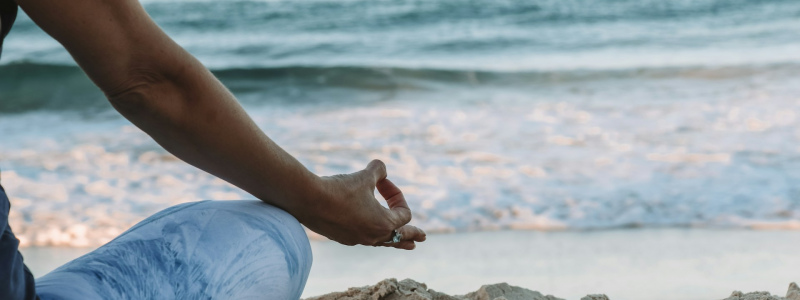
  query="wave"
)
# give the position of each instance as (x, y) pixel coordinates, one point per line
(28, 86)
(493, 36)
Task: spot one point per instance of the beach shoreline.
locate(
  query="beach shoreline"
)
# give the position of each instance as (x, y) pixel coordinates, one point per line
(670, 263)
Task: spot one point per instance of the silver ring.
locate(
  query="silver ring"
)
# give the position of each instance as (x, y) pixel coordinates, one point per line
(396, 237)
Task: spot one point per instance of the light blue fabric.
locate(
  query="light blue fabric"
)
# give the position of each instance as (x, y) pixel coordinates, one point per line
(198, 250)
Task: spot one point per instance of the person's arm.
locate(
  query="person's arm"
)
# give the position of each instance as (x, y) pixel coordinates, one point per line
(170, 95)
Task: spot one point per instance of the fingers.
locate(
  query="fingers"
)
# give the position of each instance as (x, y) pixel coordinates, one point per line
(399, 213)
(411, 234)
(407, 245)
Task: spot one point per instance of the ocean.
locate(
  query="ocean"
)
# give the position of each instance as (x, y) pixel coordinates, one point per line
(490, 114)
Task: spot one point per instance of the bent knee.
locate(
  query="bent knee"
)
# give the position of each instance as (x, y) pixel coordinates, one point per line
(262, 248)
(232, 249)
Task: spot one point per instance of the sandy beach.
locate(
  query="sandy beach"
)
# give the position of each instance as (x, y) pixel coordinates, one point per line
(622, 264)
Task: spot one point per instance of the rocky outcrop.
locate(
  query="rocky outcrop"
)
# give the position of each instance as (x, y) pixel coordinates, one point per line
(391, 289)
(792, 294)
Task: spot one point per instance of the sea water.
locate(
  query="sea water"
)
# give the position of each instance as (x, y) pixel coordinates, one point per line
(491, 115)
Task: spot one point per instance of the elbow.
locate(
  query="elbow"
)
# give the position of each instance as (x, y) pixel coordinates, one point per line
(136, 93)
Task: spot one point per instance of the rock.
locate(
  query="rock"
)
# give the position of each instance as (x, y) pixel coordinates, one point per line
(595, 297)
(503, 291)
(391, 289)
(410, 289)
(373, 292)
(794, 292)
(737, 295)
(388, 289)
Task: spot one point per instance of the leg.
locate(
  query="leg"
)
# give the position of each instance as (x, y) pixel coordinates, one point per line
(16, 282)
(199, 250)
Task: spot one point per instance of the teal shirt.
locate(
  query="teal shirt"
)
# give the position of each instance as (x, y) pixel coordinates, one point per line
(8, 13)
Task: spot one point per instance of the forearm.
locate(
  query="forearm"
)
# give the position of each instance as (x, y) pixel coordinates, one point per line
(167, 93)
(192, 115)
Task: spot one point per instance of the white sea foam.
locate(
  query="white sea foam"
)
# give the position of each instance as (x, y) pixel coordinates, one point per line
(694, 152)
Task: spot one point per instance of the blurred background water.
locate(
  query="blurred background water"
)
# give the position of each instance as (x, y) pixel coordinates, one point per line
(491, 114)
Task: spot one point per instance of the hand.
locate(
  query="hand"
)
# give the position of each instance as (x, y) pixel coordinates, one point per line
(347, 211)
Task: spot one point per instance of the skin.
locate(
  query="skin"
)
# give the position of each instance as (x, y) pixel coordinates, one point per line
(171, 96)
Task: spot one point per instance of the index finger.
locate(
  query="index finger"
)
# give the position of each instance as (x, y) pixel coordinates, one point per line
(398, 207)
(411, 235)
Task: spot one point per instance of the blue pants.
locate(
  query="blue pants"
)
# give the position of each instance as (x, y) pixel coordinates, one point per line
(16, 281)
(198, 250)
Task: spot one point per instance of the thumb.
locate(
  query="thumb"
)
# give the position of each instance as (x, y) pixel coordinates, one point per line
(377, 169)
